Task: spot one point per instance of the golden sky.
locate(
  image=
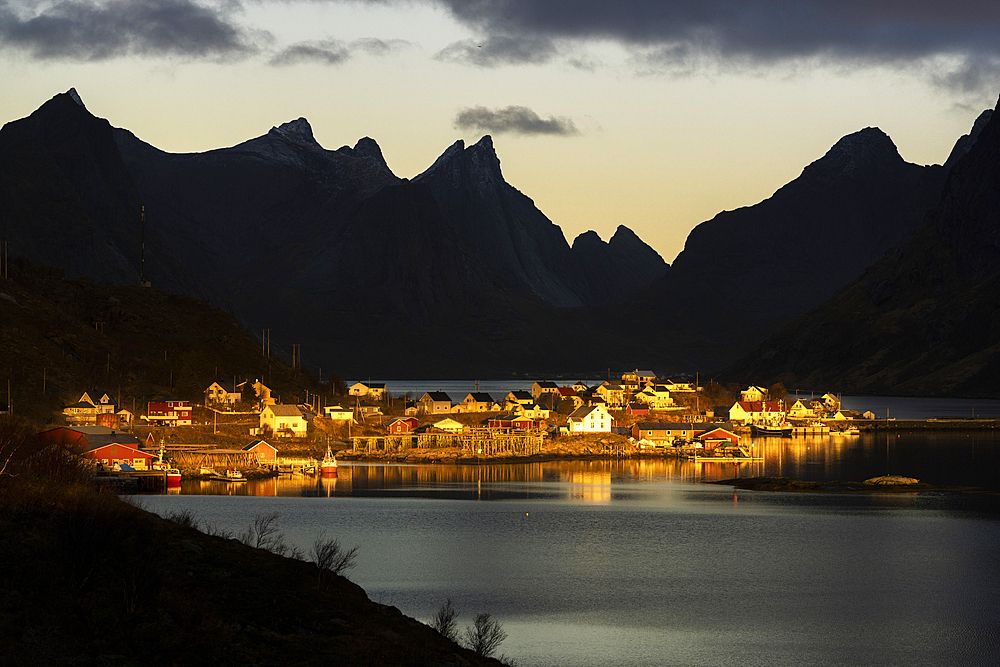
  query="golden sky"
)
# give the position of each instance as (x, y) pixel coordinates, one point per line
(655, 114)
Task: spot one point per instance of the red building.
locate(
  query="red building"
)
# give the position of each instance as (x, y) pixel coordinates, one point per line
(169, 412)
(402, 425)
(515, 423)
(263, 451)
(716, 435)
(105, 445)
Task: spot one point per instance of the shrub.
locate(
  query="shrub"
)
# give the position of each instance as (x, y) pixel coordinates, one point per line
(485, 635)
(446, 621)
(331, 559)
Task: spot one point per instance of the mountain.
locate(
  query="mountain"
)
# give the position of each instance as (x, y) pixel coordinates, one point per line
(747, 272)
(619, 267)
(924, 319)
(67, 200)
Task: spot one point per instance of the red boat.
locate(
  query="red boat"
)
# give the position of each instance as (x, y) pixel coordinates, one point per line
(329, 464)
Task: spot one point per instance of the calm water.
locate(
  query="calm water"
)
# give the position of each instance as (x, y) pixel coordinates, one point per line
(635, 563)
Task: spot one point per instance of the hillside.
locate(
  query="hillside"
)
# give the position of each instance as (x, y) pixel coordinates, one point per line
(923, 320)
(91, 580)
(60, 337)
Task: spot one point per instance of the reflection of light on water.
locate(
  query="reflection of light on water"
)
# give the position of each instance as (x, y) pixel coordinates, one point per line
(590, 487)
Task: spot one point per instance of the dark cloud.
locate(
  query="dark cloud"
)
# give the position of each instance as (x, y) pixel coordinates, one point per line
(512, 120)
(328, 52)
(685, 35)
(102, 30)
(499, 50)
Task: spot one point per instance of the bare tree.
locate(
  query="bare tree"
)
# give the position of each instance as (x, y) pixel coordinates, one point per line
(262, 533)
(446, 621)
(485, 635)
(331, 559)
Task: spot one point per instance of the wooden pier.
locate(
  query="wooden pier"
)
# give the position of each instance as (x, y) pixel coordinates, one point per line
(485, 442)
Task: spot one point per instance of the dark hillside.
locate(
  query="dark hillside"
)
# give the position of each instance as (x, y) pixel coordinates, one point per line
(925, 319)
(69, 336)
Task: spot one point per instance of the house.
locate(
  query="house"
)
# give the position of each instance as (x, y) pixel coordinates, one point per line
(169, 412)
(637, 409)
(580, 388)
(262, 392)
(99, 399)
(639, 378)
(801, 409)
(366, 409)
(676, 387)
(756, 411)
(663, 432)
(507, 423)
(612, 392)
(477, 402)
(375, 391)
(105, 445)
(78, 414)
(868, 415)
(338, 413)
(831, 402)
(569, 394)
(714, 434)
(590, 419)
(222, 393)
(264, 452)
(284, 420)
(435, 403)
(538, 389)
(521, 397)
(450, 425)
(752, 394)
(533, 411)
(402, 425)
(656, 396)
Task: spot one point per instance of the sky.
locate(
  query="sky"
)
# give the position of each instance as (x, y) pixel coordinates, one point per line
(654, 114)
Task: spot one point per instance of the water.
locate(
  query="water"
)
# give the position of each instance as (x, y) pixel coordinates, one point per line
(636, 563)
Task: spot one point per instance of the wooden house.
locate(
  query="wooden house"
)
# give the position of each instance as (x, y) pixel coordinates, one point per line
(664, 432)
(543, 387)
(374, 391)
(169, 412)
(223, 393)
(435, 403)
(284, 420)
(756, 411)
(338, 413)
(450, 425)
(402, 425)
(264, 452)
(752, 394)
(590, 419)
(637, 409)
(477, 402)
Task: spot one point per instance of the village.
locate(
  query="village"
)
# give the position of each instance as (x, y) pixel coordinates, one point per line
(241, 430)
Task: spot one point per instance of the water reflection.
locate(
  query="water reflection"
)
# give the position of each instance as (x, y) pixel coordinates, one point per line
(943, 458)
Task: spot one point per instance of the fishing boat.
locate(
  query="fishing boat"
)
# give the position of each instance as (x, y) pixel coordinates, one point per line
(783, 430)
(172, 473)
(329, 464)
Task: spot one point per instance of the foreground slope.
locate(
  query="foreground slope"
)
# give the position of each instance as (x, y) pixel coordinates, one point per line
(925, 319)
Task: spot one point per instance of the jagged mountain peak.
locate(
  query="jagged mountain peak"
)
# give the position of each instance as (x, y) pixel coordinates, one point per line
(479, 159)
(857, 153)
(297, 131)
(75, 96)
(966, 141)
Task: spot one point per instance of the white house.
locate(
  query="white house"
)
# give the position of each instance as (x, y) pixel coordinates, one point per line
(373, 390)
(591, 419)
(435, 403)
(752, 394)
(337, 413)
(284, 420)
(756, 411)
(223, 393)
(450, 425)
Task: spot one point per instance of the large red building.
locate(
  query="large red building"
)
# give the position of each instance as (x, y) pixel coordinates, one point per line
(105, 445)
(169, 412)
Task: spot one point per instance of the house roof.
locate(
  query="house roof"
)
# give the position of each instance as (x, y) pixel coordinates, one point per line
(582, 411)
(437, 396)
(567, 391)
(480, 397)
(545, 384)
(521, 395)
(81, 405)
(282, 410)
(247, 448)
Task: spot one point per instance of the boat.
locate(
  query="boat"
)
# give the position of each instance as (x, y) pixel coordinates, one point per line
(783, 430)
(329, 464)
(173, 474)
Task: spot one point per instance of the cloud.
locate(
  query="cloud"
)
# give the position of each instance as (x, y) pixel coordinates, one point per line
(96, 30)
(681, 35)
(327, 52)
(499, 50)
(333, 52)
(513, 120)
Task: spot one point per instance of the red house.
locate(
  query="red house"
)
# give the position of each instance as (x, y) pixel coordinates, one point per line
(105, 445)
(402, 425)
(636, 409)
(263, 451)
(514, 423)
(169, 412)
(716, 435)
